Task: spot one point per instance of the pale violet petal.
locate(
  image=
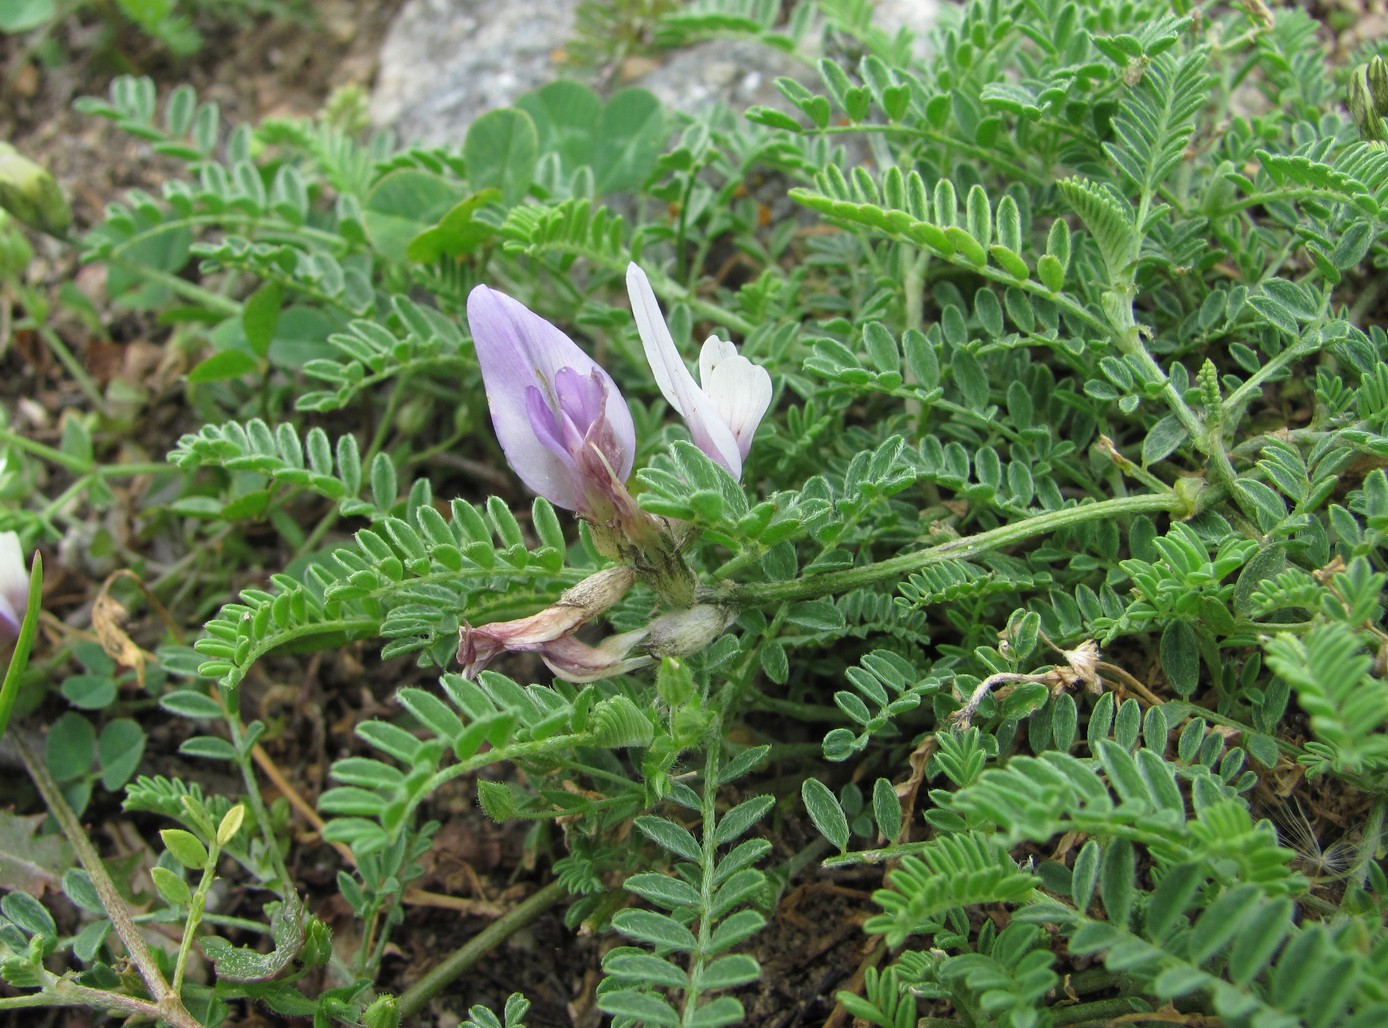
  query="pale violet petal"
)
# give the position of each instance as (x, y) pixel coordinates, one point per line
(10, 619)
(518, 351)
(712, 435)
(548, 426)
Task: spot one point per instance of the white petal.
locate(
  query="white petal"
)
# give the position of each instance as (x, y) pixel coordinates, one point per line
(715, 351)
(707, 428)
(14, 579)
(739, 390)
(673, 378)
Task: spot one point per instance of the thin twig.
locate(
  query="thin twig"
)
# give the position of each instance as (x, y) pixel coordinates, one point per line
(413, 897)
(277, 778)
(412, 1000)
(1144, 693)
(872, 958)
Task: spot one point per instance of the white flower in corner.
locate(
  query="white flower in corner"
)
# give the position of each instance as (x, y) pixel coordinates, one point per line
(725, 407)
(14, 584)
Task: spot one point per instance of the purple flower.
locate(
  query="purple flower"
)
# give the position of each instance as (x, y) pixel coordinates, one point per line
(14, 585)
(725, 407)
(561, 421)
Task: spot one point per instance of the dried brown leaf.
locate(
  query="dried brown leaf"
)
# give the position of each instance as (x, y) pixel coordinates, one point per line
(108, 621)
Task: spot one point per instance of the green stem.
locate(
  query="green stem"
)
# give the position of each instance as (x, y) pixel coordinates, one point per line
(377, 952)
(1287, 749)
(803, 858)
(370, 925)
(1275, 195)
(73, 367)
(1368, 845)
(76, 464)
(736, 685)
(1070, 307)
(1208, 441)
(184, 288)
(414, 998)
(1244, 394)
(956, 145)
(708, 858)
(210, 544)
(63, 992)
(24, 641)
(796, 710)
(244, 924)
(913, 286)
(682, 226)
(516, 752)
(894, 568)
(1130, 469)
(347, 626)
(285, 884)
(1103, 1011)
(195, 911)
(267, 229)
(58, 506)
(169, 1005)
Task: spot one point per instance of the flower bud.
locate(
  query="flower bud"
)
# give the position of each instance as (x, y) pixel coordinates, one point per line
(674, 682)
(682, 632)
(383, 1013)
(1378, 84)
(1361, 105)
(599, 591)
(31, 194)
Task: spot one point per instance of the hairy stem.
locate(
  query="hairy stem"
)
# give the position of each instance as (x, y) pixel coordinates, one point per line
(895, 568)
(63, 992)
(170, 1007)
(708, 857)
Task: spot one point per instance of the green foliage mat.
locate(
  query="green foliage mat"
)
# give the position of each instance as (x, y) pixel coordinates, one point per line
(1054, 575)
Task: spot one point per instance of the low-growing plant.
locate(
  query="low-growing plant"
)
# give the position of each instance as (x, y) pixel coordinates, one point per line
(178, 27)
(1028, 548)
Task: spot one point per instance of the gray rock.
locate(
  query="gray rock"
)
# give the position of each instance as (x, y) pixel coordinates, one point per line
(739, 73)
(445, 62)
(919, 16)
